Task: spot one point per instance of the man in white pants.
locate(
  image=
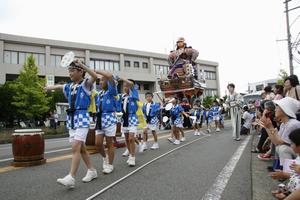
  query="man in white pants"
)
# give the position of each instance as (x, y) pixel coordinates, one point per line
(233, 102)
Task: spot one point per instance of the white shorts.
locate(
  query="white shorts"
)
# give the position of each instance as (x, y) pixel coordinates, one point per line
(216, 118)
(109, 131)
(178, 125)
(151, 127)
(130, 129)
(78, 134)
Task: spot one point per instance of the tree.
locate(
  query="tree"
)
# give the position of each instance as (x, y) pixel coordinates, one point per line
(281, 76)
(30, 98)
(56, 96)
(8, 111)
(207, 101)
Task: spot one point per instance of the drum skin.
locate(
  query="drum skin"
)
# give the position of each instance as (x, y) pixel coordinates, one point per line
(28, 147)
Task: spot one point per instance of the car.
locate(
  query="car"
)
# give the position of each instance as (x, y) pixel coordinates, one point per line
(251, 98)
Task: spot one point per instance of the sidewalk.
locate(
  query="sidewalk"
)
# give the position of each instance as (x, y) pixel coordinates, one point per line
(262, 184)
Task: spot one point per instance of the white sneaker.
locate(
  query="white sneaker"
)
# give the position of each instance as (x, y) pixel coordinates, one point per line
(182, 139)
(196, 133)
(131, 161)
(141, 148)
(126, 153)
(171, 140)
(155, 146)
(218, 130)
(129, 157)
(105, 162)
(108, 169)
(90, 175)
(176, 142)
(208, 130)
(68, 181)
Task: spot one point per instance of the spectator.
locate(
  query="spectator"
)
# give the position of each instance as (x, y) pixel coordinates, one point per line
(293, 183)
(270, 107)
(284, 113)
(278, 92)
(269, 95)
(291, 87)
(246, 121)
(55, 115)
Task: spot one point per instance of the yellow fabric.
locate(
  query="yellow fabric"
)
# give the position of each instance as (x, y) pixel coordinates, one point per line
(140, 115)
(92, 107)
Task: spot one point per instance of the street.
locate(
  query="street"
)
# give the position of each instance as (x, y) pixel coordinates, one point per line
(203, 167)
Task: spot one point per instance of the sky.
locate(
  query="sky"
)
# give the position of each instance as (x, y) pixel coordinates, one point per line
(243, 36)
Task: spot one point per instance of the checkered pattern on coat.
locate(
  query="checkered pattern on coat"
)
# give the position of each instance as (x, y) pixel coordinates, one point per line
(177, 121)
(108, 119)
(81, 119)
(133, 120)
(153, 121)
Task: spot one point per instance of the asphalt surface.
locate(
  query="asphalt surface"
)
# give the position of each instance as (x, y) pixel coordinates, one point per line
(185, 173)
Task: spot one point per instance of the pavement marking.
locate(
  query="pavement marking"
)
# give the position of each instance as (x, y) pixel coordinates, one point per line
(141, 167)
(8, 168)
(47, 152)
(54, 159)
(216, 190)
(6, 159)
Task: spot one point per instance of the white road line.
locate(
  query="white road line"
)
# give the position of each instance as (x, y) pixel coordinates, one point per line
(7, 159)
(47, 152)
(139, 168)
(216, 190)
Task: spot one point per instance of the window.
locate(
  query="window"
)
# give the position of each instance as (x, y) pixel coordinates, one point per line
(15, 57)
(209, 75)
(55, 60)
(52, 61)
(260, 87)
(136, 64)
(97, 65)
(108, 65)
(161, 68)
(22, 57)
(127, 63)
(210, 92)
(41, 60)
(145, 65)
(116, 66)
(92, 64)
(50, 80)
(101, 64)
(7, 57)
(146, 86)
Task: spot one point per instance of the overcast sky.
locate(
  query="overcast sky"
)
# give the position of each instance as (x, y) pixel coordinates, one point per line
(238, 34)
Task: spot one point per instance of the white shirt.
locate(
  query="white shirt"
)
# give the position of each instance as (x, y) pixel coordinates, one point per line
(125, 104)
(287, 128)
(248, 120)
(148, 108)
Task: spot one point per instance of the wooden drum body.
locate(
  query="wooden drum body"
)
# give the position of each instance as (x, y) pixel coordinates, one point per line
(28, 147)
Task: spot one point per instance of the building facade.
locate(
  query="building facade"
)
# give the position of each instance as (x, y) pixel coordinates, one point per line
(144, 67)
(259, 86)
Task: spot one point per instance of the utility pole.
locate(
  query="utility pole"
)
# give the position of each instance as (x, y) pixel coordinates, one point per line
(289, 37)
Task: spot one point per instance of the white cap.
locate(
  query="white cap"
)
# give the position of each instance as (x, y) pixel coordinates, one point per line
(289, 105)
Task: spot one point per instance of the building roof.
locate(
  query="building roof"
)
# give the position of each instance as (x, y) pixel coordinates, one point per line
(82, 46)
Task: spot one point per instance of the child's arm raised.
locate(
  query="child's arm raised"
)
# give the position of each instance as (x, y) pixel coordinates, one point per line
(89, 82)
(54, 87)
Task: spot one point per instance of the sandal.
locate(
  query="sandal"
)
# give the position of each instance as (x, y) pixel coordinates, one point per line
(280, 196)
(275, 192)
